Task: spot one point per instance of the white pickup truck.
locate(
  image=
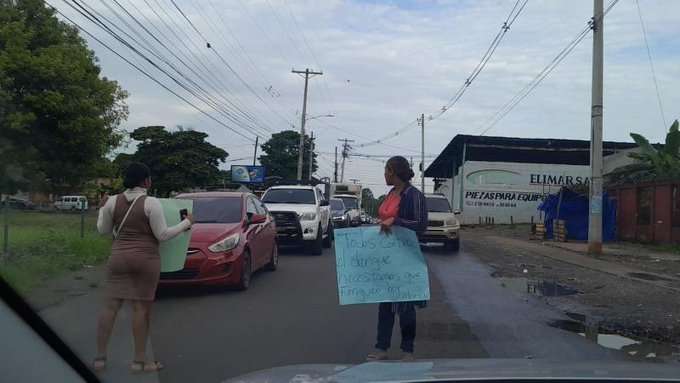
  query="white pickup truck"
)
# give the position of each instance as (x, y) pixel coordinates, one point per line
(302, 216)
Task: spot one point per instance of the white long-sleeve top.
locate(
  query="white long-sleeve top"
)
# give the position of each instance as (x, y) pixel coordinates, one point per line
(152, 209)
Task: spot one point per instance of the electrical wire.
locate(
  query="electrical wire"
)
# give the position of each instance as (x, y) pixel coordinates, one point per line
(80, 8)
(651, 64)
(145, 73)
(226, 63)
(528, 88)
(97, 18)
(509, 20)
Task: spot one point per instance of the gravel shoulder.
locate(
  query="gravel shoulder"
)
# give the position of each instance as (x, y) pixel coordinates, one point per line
(626, 306)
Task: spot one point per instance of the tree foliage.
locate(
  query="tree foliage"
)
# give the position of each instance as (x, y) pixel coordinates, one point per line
(652, 163)
(58, 116)
(178, 160)
(281, 155)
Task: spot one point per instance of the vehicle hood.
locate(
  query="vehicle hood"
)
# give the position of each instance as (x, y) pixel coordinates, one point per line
(337, 213)
(211, 232)
(296, 207)
(459, 369)
(440, 216)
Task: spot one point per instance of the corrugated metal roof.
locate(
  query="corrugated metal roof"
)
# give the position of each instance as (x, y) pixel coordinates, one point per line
(514, 149)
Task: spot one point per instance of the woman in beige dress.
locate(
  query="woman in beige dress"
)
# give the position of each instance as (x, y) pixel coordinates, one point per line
(138, 225)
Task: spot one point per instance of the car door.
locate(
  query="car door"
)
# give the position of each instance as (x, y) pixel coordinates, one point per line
(253, 233)
(324, 211)
(268, 231)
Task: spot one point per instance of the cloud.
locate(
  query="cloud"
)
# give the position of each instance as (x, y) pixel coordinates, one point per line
(386, 62)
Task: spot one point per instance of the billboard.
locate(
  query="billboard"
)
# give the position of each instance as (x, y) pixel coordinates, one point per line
(247, 174)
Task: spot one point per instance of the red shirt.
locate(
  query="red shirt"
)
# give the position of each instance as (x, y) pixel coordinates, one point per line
(390, 206)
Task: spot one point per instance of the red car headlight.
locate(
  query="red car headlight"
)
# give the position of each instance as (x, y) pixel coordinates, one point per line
(225, 244)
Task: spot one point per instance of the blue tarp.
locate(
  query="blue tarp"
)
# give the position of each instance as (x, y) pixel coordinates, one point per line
(574, 211)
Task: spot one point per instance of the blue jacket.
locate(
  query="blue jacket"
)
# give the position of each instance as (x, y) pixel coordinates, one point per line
(412, 215)
(412, 210)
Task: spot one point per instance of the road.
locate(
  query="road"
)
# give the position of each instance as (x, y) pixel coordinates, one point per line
(292, 316)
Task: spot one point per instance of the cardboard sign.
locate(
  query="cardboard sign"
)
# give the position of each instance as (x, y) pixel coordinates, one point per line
(375, 267)
(174, 252)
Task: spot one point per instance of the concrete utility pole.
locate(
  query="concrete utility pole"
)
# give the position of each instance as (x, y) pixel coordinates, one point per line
(595, 216)
(422, 153)
(257, 139)
(335, 172)
(301, 149)
(345, 153)
(311, 156)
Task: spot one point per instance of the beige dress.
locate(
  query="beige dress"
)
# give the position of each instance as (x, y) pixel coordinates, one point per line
(135, 264)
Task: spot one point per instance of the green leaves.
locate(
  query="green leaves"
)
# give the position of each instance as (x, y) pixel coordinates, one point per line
(54, 106)
(178, 160)
(653, 163)
(281, 155)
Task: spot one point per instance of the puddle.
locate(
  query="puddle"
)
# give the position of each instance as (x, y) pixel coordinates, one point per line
(536, 287)
(633, 348)
(648, 277)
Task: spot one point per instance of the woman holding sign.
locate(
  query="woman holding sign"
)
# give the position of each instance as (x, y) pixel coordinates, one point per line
(138, 224)
(404, 206)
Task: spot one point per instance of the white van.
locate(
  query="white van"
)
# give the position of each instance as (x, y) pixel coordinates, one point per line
(71, 202)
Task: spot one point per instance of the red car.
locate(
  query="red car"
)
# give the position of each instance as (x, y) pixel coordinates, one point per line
(233, 236)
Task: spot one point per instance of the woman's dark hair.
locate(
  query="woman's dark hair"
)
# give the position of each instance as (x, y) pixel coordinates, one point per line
(135, 174)
(401, 168)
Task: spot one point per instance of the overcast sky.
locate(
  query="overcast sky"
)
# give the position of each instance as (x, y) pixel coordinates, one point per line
(386, 62)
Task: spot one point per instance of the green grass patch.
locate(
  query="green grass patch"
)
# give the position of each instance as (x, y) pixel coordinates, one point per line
(667, 248)
(46, 245)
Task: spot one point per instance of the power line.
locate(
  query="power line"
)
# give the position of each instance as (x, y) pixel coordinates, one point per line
(510, 19)
(224, 61)
(147, 74)
(651, 64)
(528, 88)
(95, 17)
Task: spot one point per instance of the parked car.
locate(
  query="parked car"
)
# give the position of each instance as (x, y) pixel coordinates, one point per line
(71, 202)
(19, 204)
(442, 224)
(302, 215)
(233, 236)
(339, 214)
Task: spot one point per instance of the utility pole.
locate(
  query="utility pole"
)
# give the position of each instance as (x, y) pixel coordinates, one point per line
(311, 155)
(257, 139)
(595, 216)
(335, 172)
(345, 153)
(301, 148)
(422, 153)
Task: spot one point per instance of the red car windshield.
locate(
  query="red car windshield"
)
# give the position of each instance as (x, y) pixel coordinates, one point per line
(217, 210)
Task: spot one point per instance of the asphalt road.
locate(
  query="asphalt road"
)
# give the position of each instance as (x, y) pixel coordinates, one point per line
(292, 316)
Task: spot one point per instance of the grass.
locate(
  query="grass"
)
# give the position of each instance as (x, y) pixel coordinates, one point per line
(666, 248)
(45, 245)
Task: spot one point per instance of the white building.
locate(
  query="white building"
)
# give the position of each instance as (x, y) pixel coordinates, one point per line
(505, 179)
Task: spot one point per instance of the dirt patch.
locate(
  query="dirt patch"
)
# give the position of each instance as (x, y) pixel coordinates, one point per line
(618, 304)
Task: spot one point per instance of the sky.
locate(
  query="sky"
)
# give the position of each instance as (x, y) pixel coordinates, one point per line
(386, 62)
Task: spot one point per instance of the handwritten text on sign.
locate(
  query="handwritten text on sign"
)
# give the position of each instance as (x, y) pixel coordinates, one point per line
(374, 267)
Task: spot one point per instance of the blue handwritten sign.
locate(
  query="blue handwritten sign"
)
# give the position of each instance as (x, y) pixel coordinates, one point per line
(374, 267)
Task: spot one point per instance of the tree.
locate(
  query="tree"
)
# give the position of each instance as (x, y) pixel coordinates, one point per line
(178, 160)
(652, 163)
(57, 115)
(281, 155)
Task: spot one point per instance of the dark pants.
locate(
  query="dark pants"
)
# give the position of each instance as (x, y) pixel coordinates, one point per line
(407, 322)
